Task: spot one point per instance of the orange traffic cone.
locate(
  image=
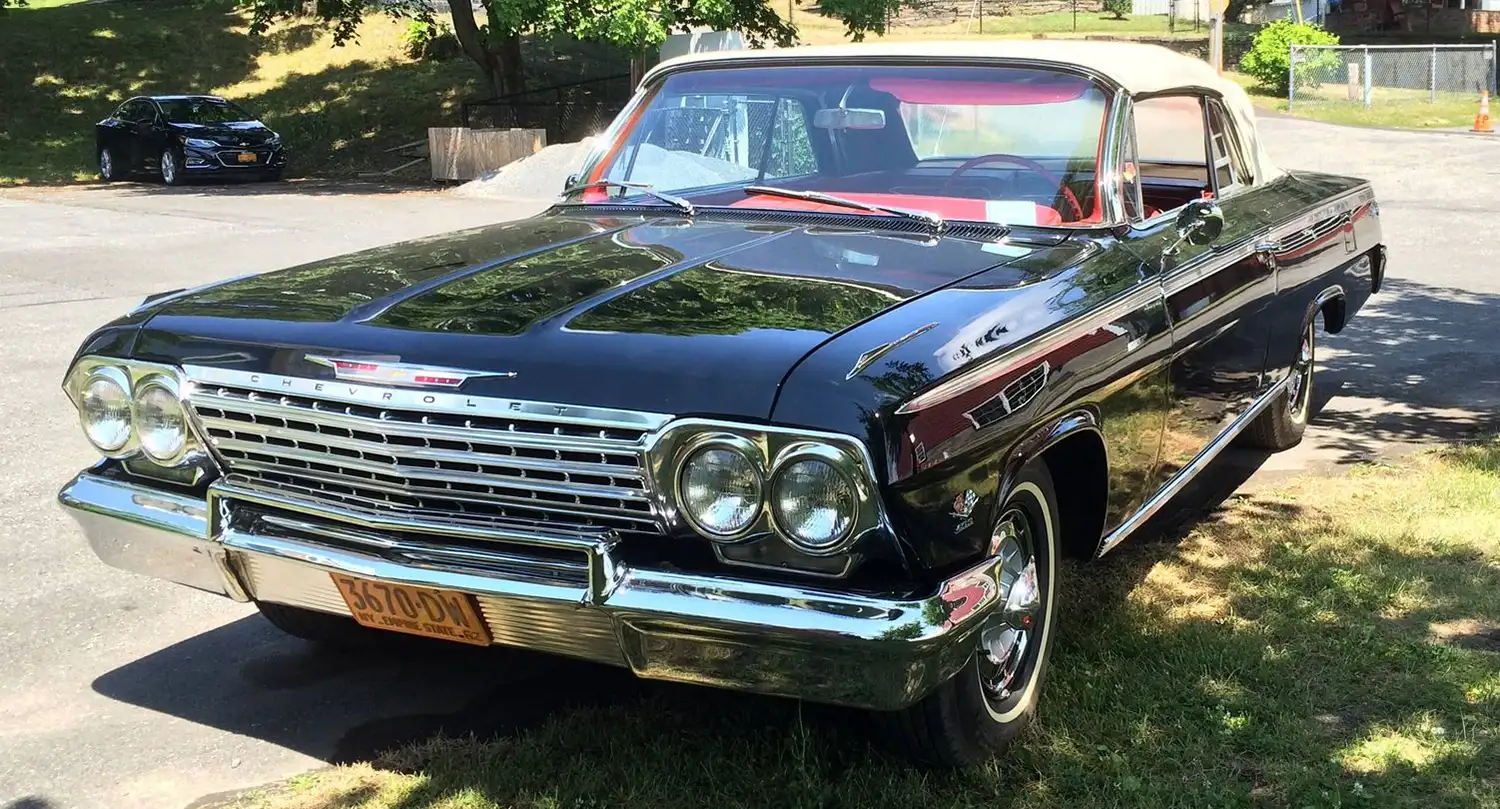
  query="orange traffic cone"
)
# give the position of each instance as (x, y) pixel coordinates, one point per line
(1482, 120)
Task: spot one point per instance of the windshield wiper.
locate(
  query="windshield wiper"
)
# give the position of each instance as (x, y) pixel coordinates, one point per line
(645, 188)
(930, 219)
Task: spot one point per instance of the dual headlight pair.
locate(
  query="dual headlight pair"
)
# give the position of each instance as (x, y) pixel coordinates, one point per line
(814, 494)
(129, 409)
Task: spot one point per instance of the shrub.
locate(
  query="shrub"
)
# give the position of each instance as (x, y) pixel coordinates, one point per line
(1269, 57)
(428, 41)
(1119, 8)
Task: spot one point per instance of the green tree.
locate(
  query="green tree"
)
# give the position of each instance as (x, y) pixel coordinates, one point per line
(633, 25)
(1269, 59)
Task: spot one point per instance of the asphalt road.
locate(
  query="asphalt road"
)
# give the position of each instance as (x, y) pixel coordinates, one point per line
(122, 693)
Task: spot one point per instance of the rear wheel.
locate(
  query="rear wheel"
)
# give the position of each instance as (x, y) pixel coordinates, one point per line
(987, 704)
(171, 169)
(1281, 425)
(109, 168)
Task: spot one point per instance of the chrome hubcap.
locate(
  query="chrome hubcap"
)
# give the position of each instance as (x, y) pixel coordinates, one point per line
(1004, 641)
(106, 164)
(168, 167)
(1300, 383)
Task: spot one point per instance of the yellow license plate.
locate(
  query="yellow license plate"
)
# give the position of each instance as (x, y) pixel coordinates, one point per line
(247, 157)
(423, 611)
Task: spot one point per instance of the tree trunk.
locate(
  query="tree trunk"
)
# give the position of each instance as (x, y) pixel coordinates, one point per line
(1237, 8)
(466, 31)
(512, 69)
(502, 69)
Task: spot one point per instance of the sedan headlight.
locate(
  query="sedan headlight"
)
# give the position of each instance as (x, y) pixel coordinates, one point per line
(719, 489)
(770, 496)
(160, 423)
(133, 412)
(813, 501)
(104, 409)
(201, 143)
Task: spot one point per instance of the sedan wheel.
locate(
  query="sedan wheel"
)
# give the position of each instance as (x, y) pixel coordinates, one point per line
(171, 173)
(107, 167)
(985, 706)
(1281, 425)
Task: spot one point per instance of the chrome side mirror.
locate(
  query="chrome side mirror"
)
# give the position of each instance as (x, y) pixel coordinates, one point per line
(1200, 222)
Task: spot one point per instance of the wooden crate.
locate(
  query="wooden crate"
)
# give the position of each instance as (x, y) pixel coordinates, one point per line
(463, 154)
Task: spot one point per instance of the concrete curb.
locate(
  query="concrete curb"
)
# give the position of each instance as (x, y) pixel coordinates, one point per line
(1267, 112)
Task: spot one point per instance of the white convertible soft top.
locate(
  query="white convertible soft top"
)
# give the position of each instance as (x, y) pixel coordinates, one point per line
(1137, 68)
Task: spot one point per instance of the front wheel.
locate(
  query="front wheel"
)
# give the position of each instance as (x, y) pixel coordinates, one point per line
(987, 704)
(171, 171)
(324, 629)
(1281, 425)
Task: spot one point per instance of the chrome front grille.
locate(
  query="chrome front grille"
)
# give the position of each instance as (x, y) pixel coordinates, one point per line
(393, 457)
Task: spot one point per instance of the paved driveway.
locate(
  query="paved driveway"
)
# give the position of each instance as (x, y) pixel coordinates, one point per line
(120, 692)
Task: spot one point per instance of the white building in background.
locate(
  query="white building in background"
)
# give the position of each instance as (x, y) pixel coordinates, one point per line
(1312, 10)
(1184, 9)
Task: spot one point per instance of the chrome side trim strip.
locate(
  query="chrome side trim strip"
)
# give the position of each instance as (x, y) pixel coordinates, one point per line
(1212, 263)
(1186, 474)
(1028, 350)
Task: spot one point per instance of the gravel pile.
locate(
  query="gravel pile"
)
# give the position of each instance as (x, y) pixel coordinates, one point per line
(539, 176)
(542, 175)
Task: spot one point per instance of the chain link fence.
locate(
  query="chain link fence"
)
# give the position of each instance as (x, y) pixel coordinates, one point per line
(1384, 76)
(568, 112)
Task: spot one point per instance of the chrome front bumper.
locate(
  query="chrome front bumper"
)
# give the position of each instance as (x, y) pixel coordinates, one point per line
(816, 644)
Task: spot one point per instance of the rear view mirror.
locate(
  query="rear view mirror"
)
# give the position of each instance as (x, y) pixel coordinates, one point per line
(845, 118)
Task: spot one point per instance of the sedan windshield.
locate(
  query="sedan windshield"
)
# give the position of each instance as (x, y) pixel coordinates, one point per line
(1017, 146)
(202, 111)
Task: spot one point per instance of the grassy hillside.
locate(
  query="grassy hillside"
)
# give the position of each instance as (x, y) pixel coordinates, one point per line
(64, 68)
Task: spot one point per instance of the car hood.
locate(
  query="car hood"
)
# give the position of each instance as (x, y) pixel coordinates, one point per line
(242, 133)
(656, 314)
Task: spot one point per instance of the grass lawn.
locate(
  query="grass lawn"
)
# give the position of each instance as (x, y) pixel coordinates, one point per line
(1390, 107)
(35, 4)
(64, 68)
(814, 29)
(1334, 643)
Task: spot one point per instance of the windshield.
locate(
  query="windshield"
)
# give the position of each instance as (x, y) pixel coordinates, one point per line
(1016, 146)
(202, 111)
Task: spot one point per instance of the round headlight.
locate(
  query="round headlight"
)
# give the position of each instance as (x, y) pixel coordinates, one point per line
(720, 490)
(160, 422)
(813, 503)
(104, 410)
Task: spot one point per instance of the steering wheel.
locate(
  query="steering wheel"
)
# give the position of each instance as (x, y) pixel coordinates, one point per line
(1025, 163)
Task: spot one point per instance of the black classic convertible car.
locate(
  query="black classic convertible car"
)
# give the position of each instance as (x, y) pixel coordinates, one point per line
(182, 136)
(805, 386)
